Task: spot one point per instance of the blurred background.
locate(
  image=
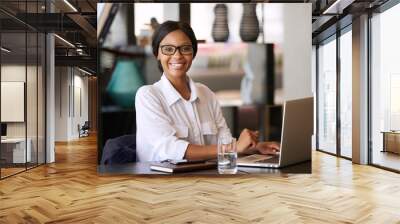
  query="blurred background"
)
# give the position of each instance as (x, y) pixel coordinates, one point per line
(252, 55)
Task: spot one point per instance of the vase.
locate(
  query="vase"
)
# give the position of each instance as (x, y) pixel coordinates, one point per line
(220, 29)
(249, 26)
(126, 79)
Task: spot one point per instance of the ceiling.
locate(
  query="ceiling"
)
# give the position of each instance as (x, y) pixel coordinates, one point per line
(73, 20)
(329, 15)
(76, 23)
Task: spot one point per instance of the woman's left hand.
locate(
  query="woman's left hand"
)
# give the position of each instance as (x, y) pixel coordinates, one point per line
(268, 148)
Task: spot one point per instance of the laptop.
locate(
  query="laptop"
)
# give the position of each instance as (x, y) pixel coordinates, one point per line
(297, 130)
(3, 131)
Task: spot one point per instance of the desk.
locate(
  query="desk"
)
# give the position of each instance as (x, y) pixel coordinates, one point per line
(13, 150)
(391, 141)
(140, 168)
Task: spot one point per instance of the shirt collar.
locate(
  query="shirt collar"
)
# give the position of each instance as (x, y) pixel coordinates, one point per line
(172, 95)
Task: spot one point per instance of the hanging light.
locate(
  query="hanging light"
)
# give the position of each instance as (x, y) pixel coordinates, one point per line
(5, 50)
(65, 41)
(337, 7)
(70, 5)
(84, 71)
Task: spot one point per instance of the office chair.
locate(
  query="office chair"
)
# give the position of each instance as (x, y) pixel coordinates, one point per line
(119, 150)
(84, 130)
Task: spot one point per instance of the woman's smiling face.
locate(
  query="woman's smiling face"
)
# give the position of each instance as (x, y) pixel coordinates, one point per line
(176, 65)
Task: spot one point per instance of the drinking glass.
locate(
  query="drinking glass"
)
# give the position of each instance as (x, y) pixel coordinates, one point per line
(227, 155)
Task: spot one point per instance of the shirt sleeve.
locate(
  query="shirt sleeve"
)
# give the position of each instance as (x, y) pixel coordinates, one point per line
(156, 137)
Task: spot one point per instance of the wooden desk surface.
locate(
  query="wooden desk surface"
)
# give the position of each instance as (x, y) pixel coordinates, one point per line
(13, 140)
(143, 168)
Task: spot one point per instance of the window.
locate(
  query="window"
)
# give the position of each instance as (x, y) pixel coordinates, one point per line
(327, 96)
(335, 74)
(385, 89)
(346, 94)
(22, 77)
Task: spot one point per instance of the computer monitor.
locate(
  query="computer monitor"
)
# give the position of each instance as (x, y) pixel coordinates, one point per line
(3, 129)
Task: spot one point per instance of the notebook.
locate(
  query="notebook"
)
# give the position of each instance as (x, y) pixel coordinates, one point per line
(169, 167)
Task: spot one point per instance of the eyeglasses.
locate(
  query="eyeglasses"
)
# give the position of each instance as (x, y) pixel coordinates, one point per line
(171, 49)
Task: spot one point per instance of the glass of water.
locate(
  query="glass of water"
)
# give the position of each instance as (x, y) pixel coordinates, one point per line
(227, 155)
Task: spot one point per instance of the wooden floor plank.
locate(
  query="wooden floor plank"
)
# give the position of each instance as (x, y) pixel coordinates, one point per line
(70, 191)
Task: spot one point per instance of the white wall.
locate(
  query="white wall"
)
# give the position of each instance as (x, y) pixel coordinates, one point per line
(144, 12)
(12, 73)
(12, 101)
(171, 11)
(33, 126)
(71, 87)
(61, 103)
(79, 117)
(297, 44)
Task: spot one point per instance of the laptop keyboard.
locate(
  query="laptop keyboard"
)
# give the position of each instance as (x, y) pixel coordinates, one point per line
(269, 160)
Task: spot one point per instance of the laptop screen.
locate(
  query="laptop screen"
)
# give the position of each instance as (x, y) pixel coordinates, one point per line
(3, 129)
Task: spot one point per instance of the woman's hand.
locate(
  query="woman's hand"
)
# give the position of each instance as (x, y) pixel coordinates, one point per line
(268, 148)
(247, 139)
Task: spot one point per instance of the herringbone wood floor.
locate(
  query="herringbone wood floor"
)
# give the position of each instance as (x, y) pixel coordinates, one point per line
(70, 191)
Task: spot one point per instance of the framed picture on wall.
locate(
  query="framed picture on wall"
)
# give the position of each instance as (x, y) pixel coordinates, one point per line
(12, 101)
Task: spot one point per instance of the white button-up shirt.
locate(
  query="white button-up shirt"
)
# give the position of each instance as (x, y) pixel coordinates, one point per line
(167, 123)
